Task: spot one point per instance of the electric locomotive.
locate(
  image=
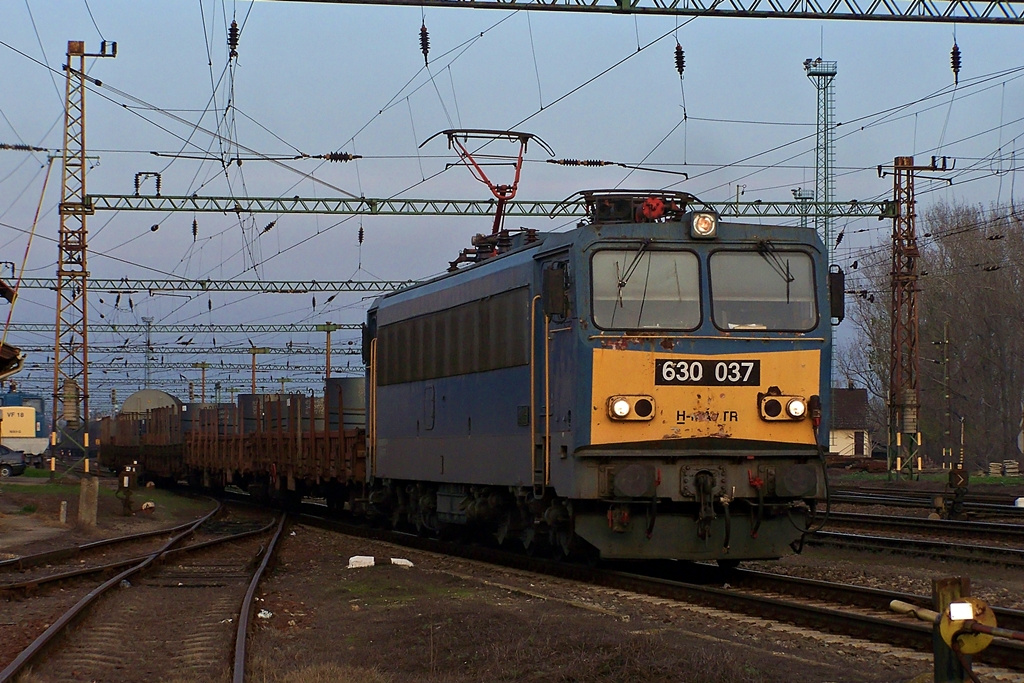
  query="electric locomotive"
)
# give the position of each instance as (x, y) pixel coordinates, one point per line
(650, 384)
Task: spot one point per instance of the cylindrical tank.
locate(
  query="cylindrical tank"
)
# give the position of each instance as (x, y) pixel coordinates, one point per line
(350, 394)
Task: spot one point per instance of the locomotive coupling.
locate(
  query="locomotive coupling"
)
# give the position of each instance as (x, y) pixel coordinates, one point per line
(618, 518)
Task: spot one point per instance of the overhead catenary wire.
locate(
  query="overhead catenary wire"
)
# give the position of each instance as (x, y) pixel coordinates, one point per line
(28, 247)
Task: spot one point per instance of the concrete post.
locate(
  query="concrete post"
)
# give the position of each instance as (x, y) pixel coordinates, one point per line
(88, 501)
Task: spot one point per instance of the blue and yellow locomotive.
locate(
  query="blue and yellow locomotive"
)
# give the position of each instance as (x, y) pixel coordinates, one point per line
(651, 384)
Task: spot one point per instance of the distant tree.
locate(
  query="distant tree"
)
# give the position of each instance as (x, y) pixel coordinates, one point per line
(971, 284)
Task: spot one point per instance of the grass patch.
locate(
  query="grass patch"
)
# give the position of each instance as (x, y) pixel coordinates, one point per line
(36, 473)
(28, 509)
(55, 488)
(385, 588)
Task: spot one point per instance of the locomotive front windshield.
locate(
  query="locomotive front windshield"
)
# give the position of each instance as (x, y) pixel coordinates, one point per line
(763, 290)
(643, 289)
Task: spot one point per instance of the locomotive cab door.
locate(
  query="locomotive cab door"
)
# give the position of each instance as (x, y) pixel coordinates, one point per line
(552, 359)
(370, 361)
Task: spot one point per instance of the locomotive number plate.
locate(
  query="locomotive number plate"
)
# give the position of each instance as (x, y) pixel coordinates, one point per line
(707, 373)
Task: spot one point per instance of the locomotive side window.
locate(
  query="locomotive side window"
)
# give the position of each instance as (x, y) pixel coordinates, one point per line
(763, 290)
(482, 335)
(643, 289)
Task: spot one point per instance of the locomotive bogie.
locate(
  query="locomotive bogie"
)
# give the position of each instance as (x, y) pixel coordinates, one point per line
(639, 534)
(686, 479)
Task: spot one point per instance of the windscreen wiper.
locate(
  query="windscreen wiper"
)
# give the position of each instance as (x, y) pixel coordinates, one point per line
(631, 268)
(767, 251)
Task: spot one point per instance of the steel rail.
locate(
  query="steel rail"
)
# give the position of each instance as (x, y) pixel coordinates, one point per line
(950, 551)
(26, 561)
(975, 496)
(924, 501)
(885, 629)
(85, 571)
(948, 527)
(859, 596)
(245, 612)
(68, 617)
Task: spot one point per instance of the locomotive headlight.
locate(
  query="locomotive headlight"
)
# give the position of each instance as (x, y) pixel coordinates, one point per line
(619, 407)
(796, 408)
(703, 225)
(631, 408)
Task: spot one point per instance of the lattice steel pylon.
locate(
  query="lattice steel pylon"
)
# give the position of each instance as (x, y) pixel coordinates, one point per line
(71, 346)
(822, 74)
(904, 352)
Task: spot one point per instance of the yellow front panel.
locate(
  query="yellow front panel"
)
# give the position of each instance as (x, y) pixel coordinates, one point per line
(686, 412)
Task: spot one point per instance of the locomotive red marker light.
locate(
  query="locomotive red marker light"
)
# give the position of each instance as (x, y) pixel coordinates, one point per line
(815, 407)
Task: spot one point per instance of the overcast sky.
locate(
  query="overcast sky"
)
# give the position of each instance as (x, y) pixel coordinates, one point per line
(318, 78)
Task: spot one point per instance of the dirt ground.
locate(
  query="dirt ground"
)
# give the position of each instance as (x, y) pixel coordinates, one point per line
(445, 620)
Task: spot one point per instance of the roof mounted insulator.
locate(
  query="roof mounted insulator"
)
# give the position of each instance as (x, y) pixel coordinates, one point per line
(143, 175)
(954, 60)
(424, 42)
(680, 59)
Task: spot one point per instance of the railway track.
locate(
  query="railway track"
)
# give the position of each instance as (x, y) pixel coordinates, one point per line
(1006, 499)
(72, 561)
(173, 612)
(830, 607)
(947, 528)
(945, 550)
(811, 604)
(850, 595)
(989, 505)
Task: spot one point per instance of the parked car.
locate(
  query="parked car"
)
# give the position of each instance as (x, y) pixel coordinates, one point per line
(12, 462)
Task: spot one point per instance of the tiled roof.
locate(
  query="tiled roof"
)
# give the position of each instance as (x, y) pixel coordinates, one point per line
(849, 408)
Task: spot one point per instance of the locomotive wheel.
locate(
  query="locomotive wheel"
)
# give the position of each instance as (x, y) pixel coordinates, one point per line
(727, 564)
(501, 532)
(562, 547)
(529, 540)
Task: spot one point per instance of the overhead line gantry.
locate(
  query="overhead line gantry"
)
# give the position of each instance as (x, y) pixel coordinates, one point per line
(156, 350)
(132, 286)
(933, 11)
(137, 328)
(365, 206)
